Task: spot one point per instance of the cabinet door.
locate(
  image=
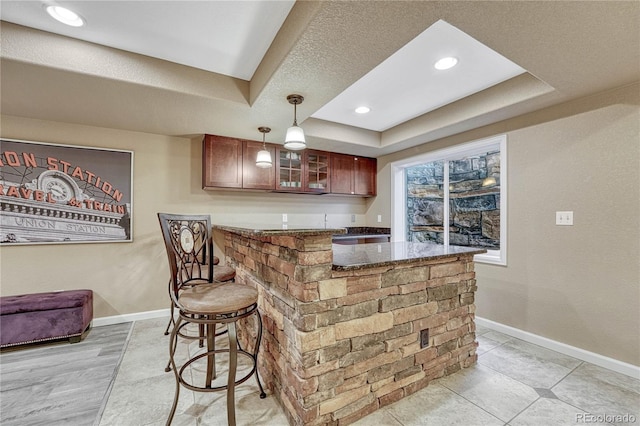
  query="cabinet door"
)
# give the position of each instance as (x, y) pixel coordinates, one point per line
(254, 177)
(316, 167)
(341, 174)
(221, 162)
(288, 170)
(365, 172)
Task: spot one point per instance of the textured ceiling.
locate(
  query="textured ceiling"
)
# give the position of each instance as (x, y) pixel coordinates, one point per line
(570, 50)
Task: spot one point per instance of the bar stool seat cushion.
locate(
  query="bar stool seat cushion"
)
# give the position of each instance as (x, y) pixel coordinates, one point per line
(223, 273)
(218, 298)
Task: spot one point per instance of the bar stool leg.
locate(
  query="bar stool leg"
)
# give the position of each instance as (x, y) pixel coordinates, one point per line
(171, 320)
(255, 354)
(201, 331)
(173, 343)
(211, 358)
(231, 381)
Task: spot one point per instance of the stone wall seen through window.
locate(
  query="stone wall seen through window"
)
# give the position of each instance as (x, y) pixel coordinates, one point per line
(473, 196)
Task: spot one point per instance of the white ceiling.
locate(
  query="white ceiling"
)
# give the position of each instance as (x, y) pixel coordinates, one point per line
(225, 37)
(226, 67)
(232, 37)
(407, 85)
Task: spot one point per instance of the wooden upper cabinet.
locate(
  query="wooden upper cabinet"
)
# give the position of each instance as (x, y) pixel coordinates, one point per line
(365, 174)
(254, 177)
(342, 174)
(221, 162)
(231, 163)
(353, 175)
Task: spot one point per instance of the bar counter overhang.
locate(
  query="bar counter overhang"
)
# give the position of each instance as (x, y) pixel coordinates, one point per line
(350, 329)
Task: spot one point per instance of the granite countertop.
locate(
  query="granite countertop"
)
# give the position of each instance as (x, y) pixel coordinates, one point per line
(363, 232)
(383, 254)
(270, 230)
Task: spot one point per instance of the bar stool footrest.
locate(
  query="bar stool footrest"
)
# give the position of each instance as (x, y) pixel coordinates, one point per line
(192, 387)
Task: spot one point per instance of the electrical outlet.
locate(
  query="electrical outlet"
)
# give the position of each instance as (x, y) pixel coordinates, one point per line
(284, 218)
(424, 338)
(353, 218)
(564, 218)
(379, 218)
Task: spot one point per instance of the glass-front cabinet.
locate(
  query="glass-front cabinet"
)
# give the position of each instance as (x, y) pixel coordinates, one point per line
(289, 172)
(306, 171)
(317, 173)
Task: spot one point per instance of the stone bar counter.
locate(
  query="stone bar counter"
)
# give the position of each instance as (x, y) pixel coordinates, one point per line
(351, 329)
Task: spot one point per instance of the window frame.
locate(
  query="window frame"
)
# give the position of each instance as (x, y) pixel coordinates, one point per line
(399, 190)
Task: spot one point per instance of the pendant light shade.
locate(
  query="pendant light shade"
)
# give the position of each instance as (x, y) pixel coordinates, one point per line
(295, 138)
(295, 135)
(263, 159)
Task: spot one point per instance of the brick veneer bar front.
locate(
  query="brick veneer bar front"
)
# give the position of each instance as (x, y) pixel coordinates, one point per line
(341, 342)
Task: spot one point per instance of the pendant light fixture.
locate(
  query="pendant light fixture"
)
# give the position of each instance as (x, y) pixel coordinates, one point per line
(263, 159)
(295, 135)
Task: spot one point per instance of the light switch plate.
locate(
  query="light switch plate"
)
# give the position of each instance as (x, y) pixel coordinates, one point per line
(564, 218)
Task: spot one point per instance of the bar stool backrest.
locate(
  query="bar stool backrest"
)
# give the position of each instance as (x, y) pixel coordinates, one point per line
(189, 245)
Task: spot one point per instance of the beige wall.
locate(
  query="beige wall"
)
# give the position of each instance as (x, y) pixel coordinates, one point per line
(578, 285)
(132, 277)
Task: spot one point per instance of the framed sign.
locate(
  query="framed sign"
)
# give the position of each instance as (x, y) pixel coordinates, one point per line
(64, 194)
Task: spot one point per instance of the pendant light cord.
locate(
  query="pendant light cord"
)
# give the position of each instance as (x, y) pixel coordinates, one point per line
(295, 114)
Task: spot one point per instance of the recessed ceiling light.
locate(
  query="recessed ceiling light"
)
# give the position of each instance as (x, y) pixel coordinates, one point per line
(65, 16)
(446, 63)
(363, 110)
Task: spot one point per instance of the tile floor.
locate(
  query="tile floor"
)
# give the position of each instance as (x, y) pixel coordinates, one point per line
(514, 383)
(41, 384)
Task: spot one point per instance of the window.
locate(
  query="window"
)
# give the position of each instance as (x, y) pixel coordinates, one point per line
(454, 196)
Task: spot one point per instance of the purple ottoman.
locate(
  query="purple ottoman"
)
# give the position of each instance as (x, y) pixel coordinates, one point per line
(39, 317)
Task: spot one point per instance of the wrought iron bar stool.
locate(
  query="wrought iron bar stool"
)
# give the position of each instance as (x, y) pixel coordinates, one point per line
(185, 238)
(198, 271)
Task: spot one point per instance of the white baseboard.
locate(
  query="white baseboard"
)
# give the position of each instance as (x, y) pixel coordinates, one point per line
(118, 319)
(591, 357)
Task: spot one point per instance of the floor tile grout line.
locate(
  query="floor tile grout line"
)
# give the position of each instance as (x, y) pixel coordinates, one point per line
(523, 410)
(567, 402)
(495, 347)
(107, 394)
(471, 402)
(566, 375)
(389, 412)
(551, 350)
(512, 378)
